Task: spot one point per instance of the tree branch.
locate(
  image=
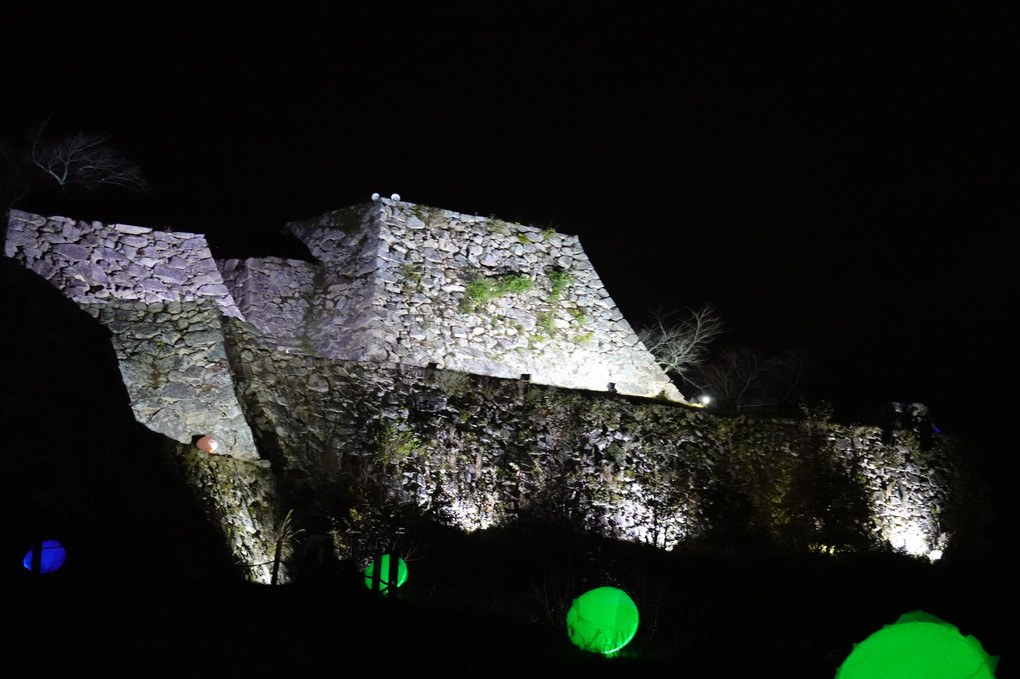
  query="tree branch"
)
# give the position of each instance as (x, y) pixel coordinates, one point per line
(81, 161)
(679, 344)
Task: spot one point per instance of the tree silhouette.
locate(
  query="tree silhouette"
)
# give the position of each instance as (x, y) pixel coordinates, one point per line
(744, 378)
(680, 343)
(71, 165)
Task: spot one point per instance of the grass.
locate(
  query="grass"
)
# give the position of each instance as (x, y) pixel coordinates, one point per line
(452, 382)
(545, 322)
(558, 280)
(481, 290)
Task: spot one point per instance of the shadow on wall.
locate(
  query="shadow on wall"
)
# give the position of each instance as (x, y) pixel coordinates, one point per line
(74, 464)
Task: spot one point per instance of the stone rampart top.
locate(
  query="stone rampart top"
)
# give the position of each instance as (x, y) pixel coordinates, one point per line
(94, 262)
(403, 283)
(394, 282)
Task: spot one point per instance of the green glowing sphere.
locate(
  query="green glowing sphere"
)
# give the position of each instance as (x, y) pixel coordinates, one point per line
(918, 645)
(602, 620)
(385, 578)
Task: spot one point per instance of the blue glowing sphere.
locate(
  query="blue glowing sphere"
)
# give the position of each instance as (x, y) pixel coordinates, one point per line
(52, 556)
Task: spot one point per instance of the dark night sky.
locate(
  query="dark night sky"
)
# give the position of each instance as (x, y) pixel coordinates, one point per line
(831, 179)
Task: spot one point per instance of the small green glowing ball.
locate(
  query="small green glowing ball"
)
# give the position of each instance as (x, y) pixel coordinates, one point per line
(384, 573)
(602, 620)
(918, 645)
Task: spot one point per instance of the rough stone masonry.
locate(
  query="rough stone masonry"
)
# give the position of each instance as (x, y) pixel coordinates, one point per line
(394, 283)
(162, 297)
(396, 287)
(406, 284)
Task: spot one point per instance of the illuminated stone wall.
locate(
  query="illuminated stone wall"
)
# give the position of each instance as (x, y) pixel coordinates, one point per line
(328, 381)
(403, 283)
(277, 296)
(92, 262)
(240, 498)
(478, 451)
(174, 364)
(393, 284)
(77, 463)
(161, 296)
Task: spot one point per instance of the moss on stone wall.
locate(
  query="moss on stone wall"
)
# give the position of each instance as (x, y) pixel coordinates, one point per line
(480, 289)
(239, 497)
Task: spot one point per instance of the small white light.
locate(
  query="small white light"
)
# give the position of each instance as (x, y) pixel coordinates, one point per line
(395, 196)
(705, 399)
(375, 197)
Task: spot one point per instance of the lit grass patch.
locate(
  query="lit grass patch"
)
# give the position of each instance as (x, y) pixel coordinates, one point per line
(558, 281)
(479, 291)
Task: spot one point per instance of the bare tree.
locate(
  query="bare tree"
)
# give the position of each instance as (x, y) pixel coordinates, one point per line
(743, 378)
(680, 342)
(82, 161)
(72, 165)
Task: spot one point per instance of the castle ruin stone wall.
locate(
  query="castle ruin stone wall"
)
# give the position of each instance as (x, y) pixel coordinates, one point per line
(478, 452)
(92, 262)
(173, 361)
(407, 284)
(275, 295)
(391, 292)
(162, 297)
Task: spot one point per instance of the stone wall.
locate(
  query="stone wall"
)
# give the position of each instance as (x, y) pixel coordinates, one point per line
(402, 283)
(239, 497)
(276, 295)
(161, 295)
(93, 262)
(395, 283)
(174, 364)
(330, 382)
(479, 451)
(130, 505)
